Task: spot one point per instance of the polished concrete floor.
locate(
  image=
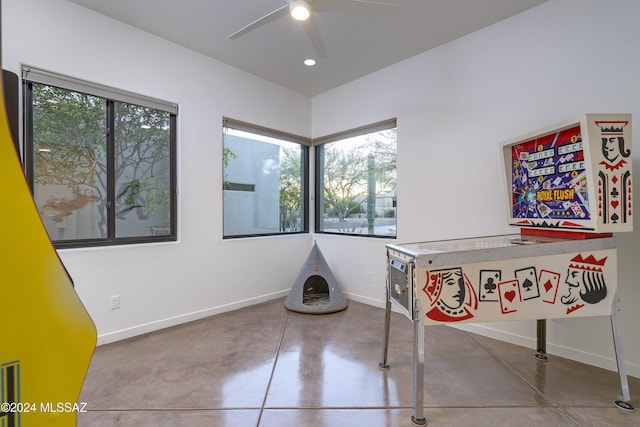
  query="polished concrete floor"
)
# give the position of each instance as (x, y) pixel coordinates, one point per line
(265, 366)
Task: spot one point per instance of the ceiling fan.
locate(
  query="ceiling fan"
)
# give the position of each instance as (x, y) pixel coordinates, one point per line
(303, 11)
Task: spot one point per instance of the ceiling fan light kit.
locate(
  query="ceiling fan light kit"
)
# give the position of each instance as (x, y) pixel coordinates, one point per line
(299, 10)
(302, 10)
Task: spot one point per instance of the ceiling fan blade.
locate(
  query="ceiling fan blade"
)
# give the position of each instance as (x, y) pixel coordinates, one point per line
(355, 6)
(272, 16)
(311, 28)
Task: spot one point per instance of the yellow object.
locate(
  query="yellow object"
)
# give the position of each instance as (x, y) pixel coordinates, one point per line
(47, 338)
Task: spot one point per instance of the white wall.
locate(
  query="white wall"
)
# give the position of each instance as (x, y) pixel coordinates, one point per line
(455, 104)
(163, 284)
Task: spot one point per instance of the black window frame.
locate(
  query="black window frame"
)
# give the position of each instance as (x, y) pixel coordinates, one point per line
(319, 180)
(32, 76)
(305, 145)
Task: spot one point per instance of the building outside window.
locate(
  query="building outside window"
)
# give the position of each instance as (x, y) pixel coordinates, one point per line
(356, 181)
(100, 162)
(264, 183)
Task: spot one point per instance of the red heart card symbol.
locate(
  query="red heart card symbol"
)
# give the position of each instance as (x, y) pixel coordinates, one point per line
(614, 203)
(510, 295)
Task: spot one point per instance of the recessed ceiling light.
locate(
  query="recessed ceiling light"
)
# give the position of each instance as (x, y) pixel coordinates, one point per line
(310, 62)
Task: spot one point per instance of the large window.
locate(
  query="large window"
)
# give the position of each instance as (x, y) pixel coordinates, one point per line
(264, 181)
(356, 181)
(101, 163)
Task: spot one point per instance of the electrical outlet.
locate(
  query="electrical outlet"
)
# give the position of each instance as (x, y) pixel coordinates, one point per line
(369, 277)
(115, 302)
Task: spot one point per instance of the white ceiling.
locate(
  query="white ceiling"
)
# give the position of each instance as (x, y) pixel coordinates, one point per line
(356, 44)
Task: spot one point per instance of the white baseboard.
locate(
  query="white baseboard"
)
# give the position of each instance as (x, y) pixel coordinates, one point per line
(552, 349)
(184, 318)
(365, 300)
(374, 302)
(591, 359)
(480, 329)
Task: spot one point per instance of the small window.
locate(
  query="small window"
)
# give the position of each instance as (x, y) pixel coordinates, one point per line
(264, 183)
(102, 170)
(356, 181)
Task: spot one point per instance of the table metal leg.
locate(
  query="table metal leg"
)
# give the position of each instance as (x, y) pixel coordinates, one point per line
(622, 369)
(387, 324)
(541, 339)
(418, 366)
